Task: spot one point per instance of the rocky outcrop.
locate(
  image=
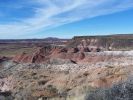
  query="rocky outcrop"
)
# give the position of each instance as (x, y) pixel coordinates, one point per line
(39, 56)
(79, 54)
(47, 54)
(110, 42)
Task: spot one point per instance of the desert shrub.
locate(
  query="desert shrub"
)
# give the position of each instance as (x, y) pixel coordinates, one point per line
(122, 91)
(6, 96)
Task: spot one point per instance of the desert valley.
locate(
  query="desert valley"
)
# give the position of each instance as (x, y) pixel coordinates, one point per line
(81, 68)
(66, 50)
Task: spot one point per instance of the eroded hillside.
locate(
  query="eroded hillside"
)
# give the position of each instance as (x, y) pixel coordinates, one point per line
(84, 68)
(110, 42)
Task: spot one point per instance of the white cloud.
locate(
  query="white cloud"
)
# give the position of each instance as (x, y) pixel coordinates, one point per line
(58, 12)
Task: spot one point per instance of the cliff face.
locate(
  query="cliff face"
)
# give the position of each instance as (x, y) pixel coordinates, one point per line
(112, 42)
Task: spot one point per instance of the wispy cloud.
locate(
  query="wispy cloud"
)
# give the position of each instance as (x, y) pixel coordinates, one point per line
(52, 13)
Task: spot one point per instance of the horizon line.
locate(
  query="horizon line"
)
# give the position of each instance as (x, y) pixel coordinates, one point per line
(91, 35)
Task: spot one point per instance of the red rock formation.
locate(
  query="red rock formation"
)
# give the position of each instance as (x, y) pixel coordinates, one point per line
(38, 57)
(43, 55)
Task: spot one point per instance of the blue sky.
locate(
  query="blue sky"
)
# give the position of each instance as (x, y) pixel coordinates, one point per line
(64, 18)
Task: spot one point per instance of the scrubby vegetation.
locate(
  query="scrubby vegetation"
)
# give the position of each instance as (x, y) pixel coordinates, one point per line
(122, 91)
